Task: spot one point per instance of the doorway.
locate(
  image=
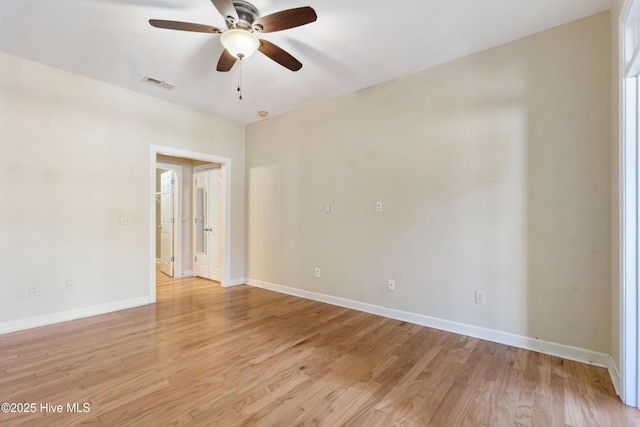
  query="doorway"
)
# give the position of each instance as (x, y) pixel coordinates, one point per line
(224, 164)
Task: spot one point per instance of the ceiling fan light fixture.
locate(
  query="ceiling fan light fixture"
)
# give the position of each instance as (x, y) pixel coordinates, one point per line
(239, 43)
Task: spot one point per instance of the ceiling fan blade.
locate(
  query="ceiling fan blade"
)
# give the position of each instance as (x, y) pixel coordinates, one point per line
(184, 26)
(279, 55)
(226, 8)
(226, 61)
(285, 19)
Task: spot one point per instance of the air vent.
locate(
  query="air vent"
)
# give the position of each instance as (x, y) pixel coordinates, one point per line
(158, 83)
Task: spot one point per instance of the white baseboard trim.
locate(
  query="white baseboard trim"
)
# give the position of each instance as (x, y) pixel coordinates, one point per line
(236, 282)
(187, 273)
(279, 288)
(63, 316)
(614, 373)
(554, 349)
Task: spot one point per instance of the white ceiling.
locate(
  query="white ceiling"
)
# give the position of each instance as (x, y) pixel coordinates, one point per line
(352, 45)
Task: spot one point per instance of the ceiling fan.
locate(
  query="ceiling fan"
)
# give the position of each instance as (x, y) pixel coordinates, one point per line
(243, 21)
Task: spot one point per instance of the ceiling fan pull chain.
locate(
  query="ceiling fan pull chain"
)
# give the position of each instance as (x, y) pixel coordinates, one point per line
(240, 77)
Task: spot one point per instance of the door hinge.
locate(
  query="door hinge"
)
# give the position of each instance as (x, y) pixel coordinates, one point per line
(196, 258)
(172, 259)
(173, 220)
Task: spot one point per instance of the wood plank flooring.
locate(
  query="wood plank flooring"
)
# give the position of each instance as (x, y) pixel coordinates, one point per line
(244, 357)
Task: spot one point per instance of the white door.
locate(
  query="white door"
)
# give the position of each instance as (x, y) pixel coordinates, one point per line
(167, 222)
(207, 226)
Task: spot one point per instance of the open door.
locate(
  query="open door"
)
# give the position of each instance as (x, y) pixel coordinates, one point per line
(167, 221)
(207, 226)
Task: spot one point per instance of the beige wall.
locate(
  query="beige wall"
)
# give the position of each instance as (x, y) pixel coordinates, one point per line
(75, 158)
(495, 175)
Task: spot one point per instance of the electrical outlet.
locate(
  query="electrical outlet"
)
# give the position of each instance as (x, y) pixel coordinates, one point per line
(316, 272)
(480, 298)
(69, 286)
(34, 291)
(327, 209)
(125, 220)
(391, 285)
(378, 207)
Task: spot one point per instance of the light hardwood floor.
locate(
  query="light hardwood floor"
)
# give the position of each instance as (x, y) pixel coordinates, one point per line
(243, 356)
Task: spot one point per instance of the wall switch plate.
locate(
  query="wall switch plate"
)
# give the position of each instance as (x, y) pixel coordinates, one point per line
(34, 291)
(316, 272)
(480, 298)
(125, 220)
(327, 209)
(378, 206)
(391, 285)
(69, 286)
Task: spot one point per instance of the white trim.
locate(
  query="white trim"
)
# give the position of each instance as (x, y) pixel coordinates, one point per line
(279, 288)
(554, 349)
(236, 282)
(627, 378)
(628, 255)
(621, 205)
(633, 68)
(614, 373)
(64, 316)
(225, 164)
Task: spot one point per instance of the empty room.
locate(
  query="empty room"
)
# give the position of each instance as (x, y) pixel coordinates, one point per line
(283, 213)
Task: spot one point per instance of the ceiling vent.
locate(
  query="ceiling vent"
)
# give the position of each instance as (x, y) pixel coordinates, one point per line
(158, 83)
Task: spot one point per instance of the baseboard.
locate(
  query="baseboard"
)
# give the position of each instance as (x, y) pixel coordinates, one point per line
(554, 349)
(282, 289)
(187, 273)
(63, 316)
(614, 373)
(236, 282)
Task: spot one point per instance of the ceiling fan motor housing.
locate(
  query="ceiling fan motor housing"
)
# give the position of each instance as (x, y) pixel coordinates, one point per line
(247, 14)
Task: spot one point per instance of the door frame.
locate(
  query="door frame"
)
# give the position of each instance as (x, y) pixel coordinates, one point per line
(225, 166)
(628, 204)
(177, 214)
